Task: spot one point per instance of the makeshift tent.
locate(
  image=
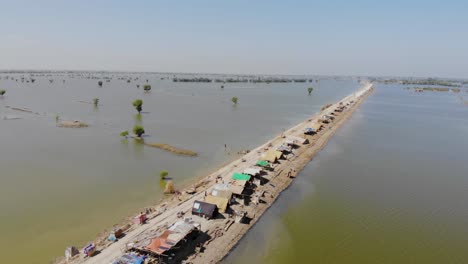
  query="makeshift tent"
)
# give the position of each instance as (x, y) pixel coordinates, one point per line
(316, 127)
(284, 148)
(236, 189)
(171, 237)
(89, 250)
(203, 209)
(221, 187)
(262, 163)
(240, 176)
(222, 193)
(271, 156)
(293, 140)
(309, 131)
(221, 202)
(252, 171)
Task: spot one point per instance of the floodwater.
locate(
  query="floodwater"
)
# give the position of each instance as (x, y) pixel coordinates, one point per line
(390, 187)
(61, 187)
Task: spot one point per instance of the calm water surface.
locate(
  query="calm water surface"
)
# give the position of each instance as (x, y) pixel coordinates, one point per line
(390, 187)
(61, 187)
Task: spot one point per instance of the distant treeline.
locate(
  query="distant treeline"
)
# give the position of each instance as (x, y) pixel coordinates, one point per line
(242, 80)
(428, 81)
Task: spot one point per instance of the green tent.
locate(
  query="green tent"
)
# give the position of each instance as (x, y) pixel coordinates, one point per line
(240, 176)
(262, 163)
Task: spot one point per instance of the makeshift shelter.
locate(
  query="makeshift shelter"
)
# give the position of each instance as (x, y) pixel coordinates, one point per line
(240, 176)
(204, 209)
(284, 148)
(293, 140)
(171, 237)
(130, 259)
(89, 250)
(317, 126)
(309, 131)
(272, 156)
(252, 171)
(262, 163)
(222, 193)
(70, 252)
(221, 187)
(220, 202)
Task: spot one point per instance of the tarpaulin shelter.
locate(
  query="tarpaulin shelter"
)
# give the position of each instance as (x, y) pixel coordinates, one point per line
(204, 209)
(220, 202)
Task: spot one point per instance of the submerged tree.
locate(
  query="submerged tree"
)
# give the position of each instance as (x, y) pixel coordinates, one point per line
(163, 174)
(2, 92)
(96, 102)
(100, 83)
(138, 104)
(147, 87)
(234, 100)
(310, 89)
(138, 130)
(124, 133)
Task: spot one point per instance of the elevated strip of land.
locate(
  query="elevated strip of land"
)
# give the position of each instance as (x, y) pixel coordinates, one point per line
(218, 236)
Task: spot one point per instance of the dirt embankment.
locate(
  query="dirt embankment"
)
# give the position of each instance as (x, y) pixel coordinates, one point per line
(220, 235)
(179, 151)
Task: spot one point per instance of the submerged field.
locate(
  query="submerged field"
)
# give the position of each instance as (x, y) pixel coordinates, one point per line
(62, 186)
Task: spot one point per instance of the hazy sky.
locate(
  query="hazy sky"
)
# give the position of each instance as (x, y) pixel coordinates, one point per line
(411, 38)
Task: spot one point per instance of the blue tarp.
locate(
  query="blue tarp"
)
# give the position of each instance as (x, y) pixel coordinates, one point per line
(130, 259)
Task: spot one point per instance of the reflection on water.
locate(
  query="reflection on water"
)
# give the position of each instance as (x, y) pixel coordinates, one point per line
(61, 187)
(391, 187)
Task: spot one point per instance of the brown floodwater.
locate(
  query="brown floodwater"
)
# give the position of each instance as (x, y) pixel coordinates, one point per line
(390, 187)
(61, 187)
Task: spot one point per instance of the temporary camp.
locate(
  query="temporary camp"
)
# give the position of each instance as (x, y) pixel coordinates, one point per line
(272, 156)
(263, 163)
(222, 193)
(252, 171)
(204, 209)
(293, 140)
(284, 148)
(130, 259)
(316, 127)
(240, 176)
(89, 250)
(220, 202)
(70, 252)
(171, 237)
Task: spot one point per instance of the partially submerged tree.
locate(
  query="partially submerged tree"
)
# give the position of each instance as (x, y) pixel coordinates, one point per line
(138, 104)
(163, 174)
(96, 102)
(147, 87)
(2, 92)
(100, 83)
(124, 133)
(234, 100)
(138, 130)
(310, 89)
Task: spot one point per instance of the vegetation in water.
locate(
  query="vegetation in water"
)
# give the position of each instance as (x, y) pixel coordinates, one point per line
(96, 102)
(138, 130)
(234, 100)
(138, 104)
(147, 87)
(100, 83)
(163, 174)
(124, 133)
(310, 89)
(2, 92)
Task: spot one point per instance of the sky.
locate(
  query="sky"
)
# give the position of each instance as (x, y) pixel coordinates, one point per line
(373, 38)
